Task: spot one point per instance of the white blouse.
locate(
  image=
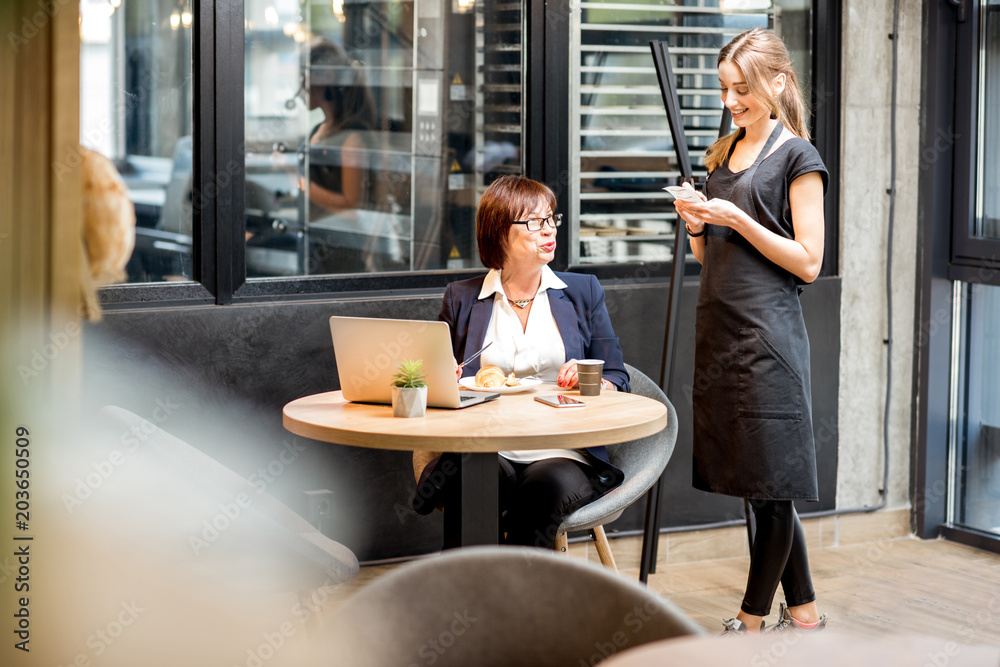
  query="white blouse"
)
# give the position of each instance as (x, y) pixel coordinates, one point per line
(536, 349)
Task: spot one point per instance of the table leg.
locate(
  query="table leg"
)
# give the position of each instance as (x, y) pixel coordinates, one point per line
(474, 519)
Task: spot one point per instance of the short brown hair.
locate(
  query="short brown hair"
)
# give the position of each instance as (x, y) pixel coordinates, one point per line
(506, 200)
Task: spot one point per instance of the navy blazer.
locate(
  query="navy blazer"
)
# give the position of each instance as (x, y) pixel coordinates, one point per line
(579, 311)
(584, 324)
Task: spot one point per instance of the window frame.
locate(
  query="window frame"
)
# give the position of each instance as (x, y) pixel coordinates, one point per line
(946, 258)
(219, 265)
(973, 259)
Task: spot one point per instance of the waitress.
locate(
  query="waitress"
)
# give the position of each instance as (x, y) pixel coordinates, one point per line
(539, 322)
(758, 233)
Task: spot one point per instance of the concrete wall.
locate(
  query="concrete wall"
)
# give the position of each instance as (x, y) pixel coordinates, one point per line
(865, 177)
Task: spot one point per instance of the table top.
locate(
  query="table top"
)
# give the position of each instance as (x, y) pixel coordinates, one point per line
(824, 649)
(513, 421)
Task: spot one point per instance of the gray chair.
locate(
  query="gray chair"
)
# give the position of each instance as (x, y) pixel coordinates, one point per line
(256, 538)
(642, 461)
(488, 606)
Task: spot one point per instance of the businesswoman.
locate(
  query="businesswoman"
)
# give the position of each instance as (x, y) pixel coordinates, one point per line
(539, 322)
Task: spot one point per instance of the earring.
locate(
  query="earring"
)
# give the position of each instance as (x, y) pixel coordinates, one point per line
(774, 116)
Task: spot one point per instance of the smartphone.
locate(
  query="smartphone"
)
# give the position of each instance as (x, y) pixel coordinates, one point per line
(681, 192)
(560, 401)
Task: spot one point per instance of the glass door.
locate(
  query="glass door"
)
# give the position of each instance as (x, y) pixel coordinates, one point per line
(975, 456)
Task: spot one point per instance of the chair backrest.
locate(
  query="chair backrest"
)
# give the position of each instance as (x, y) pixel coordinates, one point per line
(251, 525)
(641, 460)
(645, 458)
(505, 606)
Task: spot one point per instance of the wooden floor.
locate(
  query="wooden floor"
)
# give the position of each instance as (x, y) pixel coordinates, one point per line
(904, 585)
(899, 585)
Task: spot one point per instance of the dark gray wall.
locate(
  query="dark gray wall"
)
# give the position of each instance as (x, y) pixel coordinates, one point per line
(217, 377)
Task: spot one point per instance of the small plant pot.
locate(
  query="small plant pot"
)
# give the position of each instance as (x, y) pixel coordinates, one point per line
(409, 401)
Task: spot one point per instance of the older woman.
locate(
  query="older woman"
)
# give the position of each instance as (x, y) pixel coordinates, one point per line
(539, 322)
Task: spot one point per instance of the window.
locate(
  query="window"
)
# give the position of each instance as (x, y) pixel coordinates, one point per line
(371, 129)
(622, 151)
(249, 183)
(976, 232)
(135, 108)
(974, 450)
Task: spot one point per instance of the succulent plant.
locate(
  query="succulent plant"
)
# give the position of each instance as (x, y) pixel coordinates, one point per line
(410, 373)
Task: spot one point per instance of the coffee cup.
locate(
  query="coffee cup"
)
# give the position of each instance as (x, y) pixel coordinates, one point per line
(589, 374)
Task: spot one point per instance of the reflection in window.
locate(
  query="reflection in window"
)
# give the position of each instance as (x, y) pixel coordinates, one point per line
(623, 152)
(372, 128)
(135, 108)
(977, 465)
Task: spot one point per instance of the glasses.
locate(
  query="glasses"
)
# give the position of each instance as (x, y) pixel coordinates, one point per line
(535, 224)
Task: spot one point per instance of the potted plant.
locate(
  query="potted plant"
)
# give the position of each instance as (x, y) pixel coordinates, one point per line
(409, 391)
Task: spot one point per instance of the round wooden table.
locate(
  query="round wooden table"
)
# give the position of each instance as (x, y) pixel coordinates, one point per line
(513, 421)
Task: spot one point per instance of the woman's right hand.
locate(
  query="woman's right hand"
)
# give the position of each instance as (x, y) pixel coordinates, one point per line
(683, 207)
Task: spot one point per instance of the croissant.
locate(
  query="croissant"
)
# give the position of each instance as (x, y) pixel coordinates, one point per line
(490, 376)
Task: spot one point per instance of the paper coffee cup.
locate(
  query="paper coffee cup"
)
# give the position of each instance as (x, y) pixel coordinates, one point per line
(589, 373)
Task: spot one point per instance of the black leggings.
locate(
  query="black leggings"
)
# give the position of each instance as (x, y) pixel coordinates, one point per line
(779, 554)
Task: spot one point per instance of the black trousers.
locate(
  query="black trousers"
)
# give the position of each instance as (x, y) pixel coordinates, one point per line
(536, 497)
(779, 555)
(533, 498)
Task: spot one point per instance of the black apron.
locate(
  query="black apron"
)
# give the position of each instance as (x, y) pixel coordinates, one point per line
(751, 392)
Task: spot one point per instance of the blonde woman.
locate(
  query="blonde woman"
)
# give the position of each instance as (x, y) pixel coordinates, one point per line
(758, 233)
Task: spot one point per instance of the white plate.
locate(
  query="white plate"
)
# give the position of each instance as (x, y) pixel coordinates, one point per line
(469, 382)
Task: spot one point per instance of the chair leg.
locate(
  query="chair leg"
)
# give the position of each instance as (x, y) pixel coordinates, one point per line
(603, 548)
(561, 543)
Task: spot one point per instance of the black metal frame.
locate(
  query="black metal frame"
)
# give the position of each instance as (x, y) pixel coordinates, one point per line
(969, 253)
(947, 253)
(929, 477)
(672, 104)
(218, 220)
(826, 96)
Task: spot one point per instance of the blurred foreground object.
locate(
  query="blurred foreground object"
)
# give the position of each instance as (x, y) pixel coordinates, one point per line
(499, 606)
(108, 228)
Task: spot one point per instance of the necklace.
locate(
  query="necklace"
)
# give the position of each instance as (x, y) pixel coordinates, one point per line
(521, 303)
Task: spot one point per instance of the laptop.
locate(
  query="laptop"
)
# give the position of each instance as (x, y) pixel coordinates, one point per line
(369, 349)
